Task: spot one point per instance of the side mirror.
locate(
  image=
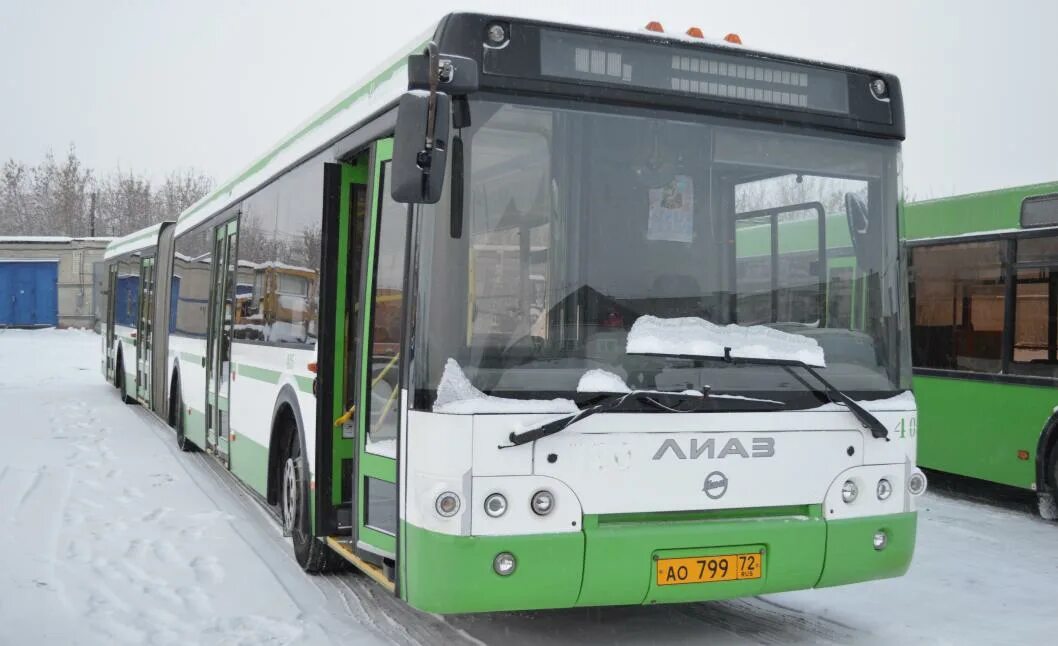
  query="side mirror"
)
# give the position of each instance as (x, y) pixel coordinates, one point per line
(424, 117)
(419, 153)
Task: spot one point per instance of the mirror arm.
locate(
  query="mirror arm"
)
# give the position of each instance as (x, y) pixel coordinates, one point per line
(431, 106)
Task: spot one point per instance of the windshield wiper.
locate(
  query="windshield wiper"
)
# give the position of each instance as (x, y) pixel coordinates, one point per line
(865, 417)
(608, 403)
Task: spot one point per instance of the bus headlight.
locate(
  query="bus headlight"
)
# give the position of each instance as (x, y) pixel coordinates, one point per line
(884, 490)
(849, 491)
(916, 483)
(543, 502)
(495, 505)
(447, 504)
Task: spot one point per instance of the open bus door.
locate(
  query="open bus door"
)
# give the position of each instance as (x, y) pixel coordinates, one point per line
(367, 365)
(218, 340)
(144, 331)
(379, 382)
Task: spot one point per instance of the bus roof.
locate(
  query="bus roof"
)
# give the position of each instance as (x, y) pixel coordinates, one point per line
(970, 213)
(135, 241)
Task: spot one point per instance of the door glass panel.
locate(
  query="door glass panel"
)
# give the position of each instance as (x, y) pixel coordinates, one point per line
(1035, 349)
(387, 311)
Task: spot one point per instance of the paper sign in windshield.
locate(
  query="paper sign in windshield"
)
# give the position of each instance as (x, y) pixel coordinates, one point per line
(672, 211)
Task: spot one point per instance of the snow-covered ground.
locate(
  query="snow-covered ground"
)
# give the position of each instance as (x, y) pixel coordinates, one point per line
(109, 535)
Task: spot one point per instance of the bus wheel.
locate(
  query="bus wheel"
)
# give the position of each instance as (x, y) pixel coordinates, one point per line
(119, 380)
(1046, 498)
(311, 554)
(176, 420)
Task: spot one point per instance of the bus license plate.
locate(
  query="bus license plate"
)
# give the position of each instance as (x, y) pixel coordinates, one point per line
(707, 569)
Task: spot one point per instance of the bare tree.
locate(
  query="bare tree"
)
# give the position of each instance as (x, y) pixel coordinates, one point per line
(52, 198)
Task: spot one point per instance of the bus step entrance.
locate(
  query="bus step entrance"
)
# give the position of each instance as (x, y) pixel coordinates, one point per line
(345, 519)
(344, 547)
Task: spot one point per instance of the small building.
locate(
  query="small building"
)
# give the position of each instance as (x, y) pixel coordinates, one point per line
(50, 280)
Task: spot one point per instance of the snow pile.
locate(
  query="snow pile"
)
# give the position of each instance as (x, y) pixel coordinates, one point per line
(456, 395)
(902, 402)
(697, 337)
(601, 381)
(742, 398)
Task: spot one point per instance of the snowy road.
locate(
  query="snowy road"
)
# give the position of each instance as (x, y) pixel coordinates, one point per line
(111, 536)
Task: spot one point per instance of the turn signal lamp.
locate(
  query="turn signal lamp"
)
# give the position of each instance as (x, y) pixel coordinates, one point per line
(654, 25)
(313, 367)
(733, 38)
(695, 32)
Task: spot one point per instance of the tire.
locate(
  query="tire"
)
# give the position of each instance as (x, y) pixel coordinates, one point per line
(176, 420)
(312, 555)
(1048, 498)
(119, 380)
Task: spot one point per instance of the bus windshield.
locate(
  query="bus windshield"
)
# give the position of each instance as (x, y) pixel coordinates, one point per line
(577, 222)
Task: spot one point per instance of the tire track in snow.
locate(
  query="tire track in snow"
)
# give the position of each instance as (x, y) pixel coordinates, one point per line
(760, 621)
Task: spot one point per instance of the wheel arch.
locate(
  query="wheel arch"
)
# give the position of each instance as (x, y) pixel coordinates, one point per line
(1045, 448)
(286, 405)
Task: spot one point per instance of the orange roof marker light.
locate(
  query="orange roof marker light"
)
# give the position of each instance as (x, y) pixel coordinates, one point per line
(733, 38)
(695, 32)
(654, 25)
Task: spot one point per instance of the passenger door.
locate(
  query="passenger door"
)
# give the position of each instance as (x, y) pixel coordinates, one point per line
(218, 339)
(380, 349)
(144, 332)
(112, 291)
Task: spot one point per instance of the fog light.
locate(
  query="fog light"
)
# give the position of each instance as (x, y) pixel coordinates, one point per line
(447, 504)
(495, 505)
(543, 502)
(916, 484)
(881, 539)
(885, 489)
(849, 491)
(504, 563)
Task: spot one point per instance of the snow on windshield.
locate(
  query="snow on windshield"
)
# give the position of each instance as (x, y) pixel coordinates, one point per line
(602, 381)
(456, 395)
(694, 336)
(904, 401)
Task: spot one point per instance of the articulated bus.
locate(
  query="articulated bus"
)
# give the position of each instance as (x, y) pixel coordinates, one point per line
(984, 332)
(543, 316)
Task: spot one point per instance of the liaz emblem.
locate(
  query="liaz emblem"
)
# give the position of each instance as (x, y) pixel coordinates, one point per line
(715, 485)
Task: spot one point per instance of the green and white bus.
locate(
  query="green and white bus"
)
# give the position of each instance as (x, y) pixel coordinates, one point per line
(519, 322)
(984, 330)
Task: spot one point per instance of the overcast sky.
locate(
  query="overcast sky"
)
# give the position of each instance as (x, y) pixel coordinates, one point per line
(153, 86)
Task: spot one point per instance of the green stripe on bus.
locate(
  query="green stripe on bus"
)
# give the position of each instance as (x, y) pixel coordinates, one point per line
(260, 374)
(191, 357)
(249, 462)
(304, 384)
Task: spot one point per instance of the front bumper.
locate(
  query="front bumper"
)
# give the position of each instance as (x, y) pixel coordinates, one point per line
(611, 562)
